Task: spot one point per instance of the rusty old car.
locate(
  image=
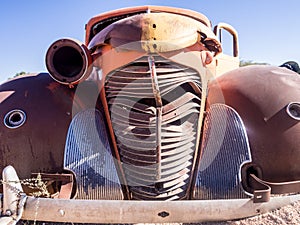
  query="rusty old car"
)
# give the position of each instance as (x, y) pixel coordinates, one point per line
(148, 121)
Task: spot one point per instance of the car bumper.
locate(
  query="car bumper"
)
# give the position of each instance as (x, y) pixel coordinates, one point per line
(111, 211)
(17, 206)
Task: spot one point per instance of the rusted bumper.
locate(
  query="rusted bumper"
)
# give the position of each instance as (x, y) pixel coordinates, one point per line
(19, 206)
(111, 211)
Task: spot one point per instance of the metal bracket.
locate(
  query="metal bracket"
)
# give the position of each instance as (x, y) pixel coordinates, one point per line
(13, 199)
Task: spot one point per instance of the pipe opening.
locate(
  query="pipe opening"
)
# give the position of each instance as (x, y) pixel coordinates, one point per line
(67, 61)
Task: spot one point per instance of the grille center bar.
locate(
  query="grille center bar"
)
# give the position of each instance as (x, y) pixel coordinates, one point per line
(158, 102)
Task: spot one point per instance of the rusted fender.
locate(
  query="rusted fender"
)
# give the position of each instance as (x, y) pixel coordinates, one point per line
(262, 96)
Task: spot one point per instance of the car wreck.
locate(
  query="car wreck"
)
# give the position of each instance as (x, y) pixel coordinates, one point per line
(148, 121)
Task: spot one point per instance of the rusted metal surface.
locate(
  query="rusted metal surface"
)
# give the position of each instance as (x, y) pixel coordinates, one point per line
(144, 101)
(90, 211)
(144, 89)
(41, 139)
(35, 140)
(106, 19)
(112, 211)
(155, 32)
(261, 94)
(68, 61)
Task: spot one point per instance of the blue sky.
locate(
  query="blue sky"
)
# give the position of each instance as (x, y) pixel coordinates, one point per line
(268, 30)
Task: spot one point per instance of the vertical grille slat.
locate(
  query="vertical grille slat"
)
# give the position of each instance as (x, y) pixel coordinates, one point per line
(154, 107)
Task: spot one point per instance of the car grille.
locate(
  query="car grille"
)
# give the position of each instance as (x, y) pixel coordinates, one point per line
(154, 106)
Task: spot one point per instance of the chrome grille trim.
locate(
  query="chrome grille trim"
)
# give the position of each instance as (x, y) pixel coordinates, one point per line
(154, 107)
(88, 155)
(225, 148)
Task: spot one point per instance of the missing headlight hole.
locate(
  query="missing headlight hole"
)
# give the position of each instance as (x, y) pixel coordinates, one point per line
(293, 110)
(14, 119)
